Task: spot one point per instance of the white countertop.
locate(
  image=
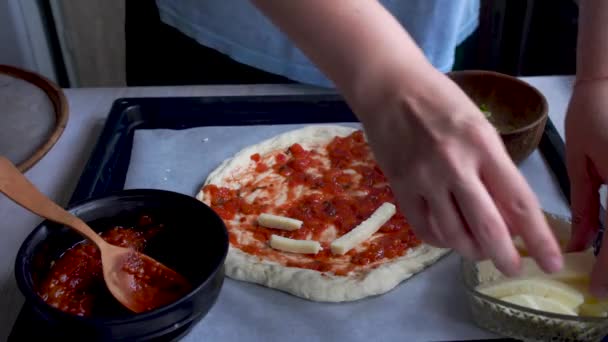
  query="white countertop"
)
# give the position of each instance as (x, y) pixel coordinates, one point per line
(58, 172)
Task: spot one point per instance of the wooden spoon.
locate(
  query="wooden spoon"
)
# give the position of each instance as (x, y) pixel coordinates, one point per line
(157, 286)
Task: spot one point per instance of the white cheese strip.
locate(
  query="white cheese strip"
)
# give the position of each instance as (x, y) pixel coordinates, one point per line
(279, 222)
(294, 246)
(364, 230)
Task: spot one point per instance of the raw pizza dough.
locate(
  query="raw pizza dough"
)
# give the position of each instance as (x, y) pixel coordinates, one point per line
(307, 283)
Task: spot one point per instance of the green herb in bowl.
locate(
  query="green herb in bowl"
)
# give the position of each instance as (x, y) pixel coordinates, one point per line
(485, 110)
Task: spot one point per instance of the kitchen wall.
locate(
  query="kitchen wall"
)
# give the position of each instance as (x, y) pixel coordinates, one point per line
(24, 37)
(11, 37)
(92, 40)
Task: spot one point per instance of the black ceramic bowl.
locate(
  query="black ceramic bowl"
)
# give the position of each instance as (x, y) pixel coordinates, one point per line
(194, 242)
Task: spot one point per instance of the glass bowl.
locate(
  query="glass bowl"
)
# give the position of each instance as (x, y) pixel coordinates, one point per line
(526, 324)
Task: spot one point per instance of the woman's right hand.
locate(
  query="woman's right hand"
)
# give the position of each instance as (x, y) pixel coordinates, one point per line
(453, 178)
(446, 164)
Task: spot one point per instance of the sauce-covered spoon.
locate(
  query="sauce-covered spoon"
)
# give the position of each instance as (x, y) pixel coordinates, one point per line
(137, 281)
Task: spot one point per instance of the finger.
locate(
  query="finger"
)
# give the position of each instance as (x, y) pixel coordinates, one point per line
(487, 225)
(599, 276)
(480, 252)
(584, 185)
(416, 213)
(445, 221)
(519, 208)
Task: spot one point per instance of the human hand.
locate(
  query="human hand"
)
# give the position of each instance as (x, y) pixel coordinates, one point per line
(453, 178)
(586, 143)
(447, 166)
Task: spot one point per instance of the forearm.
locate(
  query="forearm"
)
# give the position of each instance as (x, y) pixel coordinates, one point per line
(357, 44)
(592, 49)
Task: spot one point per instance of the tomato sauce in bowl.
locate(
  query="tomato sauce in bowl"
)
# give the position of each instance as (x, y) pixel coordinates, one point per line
(180, 232)
(75, 282)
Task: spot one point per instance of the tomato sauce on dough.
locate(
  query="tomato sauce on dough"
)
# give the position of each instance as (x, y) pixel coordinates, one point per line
(331, 189)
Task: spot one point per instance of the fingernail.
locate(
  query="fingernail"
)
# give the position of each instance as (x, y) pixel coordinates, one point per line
(555, 263)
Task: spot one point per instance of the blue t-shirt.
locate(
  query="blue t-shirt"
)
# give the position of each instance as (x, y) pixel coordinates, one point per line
(237, 29)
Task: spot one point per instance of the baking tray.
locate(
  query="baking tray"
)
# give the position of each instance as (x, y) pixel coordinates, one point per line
(107, 167)
(109, 162)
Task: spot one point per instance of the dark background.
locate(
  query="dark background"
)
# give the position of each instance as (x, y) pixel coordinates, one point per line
(527, 37)
(517, 37)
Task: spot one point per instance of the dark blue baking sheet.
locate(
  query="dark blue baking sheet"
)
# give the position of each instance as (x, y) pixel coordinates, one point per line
(107, 166)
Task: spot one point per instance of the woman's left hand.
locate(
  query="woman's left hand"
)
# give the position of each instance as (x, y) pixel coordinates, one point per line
(587, 159)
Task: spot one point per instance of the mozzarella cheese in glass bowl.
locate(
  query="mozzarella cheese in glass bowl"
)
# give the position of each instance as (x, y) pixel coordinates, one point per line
(536, 306)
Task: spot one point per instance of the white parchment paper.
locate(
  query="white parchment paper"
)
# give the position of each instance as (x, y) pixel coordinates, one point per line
(430, 306)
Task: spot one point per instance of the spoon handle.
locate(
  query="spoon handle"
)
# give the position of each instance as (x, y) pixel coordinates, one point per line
(19, 189)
